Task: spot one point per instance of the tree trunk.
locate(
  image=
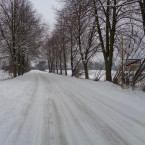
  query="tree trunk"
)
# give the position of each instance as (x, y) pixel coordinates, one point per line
(56, 67)
(23, 65)
(60, 65)
(86, 70)
(108, 67)
(13, 20)
(72, 67)
(19, 70)
(14, 68)
(142, 7)
(64, 56)
(19, 65)
(49, 66)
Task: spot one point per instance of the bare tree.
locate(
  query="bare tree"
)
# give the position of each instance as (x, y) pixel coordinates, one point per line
(83, 27)
(112, 19)
(21, 32)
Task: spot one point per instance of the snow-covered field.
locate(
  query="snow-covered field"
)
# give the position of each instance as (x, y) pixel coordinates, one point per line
(48, 109)
(92, 74)
(4, 75)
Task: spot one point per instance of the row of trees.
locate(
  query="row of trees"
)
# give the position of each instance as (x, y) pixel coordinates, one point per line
(85, 30)
(88, 28)
(20, 34)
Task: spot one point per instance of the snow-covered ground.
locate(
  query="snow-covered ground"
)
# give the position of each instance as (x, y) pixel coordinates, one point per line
(92, 74)
(48, 109)
(4, 75)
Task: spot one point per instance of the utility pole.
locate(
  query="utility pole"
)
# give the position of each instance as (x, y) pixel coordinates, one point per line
(122, 64)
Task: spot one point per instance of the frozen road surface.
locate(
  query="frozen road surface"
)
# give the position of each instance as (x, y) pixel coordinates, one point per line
(48, 109)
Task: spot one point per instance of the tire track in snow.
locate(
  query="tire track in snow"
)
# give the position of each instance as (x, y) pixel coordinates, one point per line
(74, 121)
(62, 113)
(17, 125)
(27, 130)
(31, 133)
(55, 128)
(109, 115)
(104, 134)
(66, 128)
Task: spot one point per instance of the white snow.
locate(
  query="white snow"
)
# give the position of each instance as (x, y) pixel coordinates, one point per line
(92, 74)
(48, 109)
(4, 75)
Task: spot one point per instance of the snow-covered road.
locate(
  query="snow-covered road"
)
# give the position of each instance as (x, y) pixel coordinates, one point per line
(49, 109)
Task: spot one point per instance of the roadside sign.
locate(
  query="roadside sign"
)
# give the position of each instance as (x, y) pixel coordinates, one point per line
(133, 62)
(133, 68)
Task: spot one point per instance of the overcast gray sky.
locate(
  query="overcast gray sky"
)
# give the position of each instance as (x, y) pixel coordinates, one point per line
(46, 9)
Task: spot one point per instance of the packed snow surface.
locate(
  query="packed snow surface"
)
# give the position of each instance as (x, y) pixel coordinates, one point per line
(48, 109)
